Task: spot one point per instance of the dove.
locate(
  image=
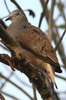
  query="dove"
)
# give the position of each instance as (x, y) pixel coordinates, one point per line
(35, 44)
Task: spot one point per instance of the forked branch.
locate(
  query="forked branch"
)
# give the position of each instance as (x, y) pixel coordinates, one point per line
(60, 40)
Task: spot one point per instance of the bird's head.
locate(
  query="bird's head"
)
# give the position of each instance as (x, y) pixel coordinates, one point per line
(15, 15)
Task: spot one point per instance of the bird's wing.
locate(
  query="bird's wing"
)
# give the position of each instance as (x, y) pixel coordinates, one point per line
(35, 41)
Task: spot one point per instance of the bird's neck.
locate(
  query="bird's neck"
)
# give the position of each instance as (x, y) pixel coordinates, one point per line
(22, 19)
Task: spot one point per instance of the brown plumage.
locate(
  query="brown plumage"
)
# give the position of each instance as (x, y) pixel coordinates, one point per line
(35, 44)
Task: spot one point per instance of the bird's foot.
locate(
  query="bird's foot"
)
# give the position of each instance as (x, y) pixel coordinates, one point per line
(9, 61)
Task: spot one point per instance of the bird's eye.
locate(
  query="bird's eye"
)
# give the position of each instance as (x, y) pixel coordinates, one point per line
(17, 14)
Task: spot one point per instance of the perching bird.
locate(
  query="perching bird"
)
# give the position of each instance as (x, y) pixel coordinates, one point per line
(35, 44)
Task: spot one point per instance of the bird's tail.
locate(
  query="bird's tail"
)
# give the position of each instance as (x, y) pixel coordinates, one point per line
(50, 73)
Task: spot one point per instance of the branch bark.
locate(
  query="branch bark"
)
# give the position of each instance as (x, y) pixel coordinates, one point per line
(36, 77)
(1, 97)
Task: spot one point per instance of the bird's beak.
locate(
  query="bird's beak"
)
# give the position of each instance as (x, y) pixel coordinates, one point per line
(9, 18)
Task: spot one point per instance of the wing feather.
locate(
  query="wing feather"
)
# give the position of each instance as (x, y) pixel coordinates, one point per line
(34, 40)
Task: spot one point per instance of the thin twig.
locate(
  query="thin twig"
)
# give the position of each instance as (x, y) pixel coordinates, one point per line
(16, 86)
(63, 78)
(51, 20)
(17, 5)
(9, 95)
(43, 13)
(34, 92)
(6, 6)
(61, 48)
(6, 80)
(60, 40)
(4, 17)
(21, 81)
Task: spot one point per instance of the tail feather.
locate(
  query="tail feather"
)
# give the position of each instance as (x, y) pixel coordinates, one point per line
(58, 69)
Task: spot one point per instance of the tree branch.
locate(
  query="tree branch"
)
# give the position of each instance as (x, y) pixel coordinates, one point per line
(37, 77)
